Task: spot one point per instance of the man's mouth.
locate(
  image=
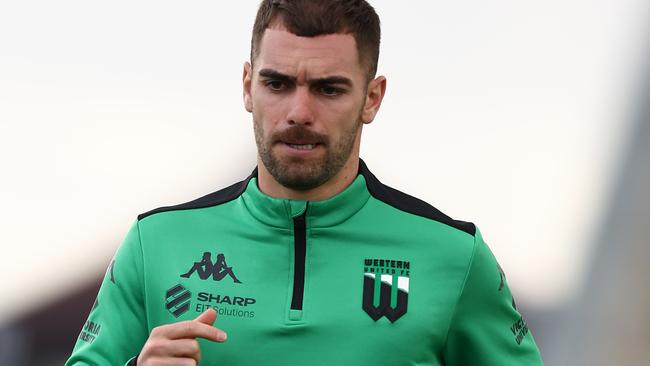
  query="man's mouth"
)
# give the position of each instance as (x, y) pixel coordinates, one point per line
(300, 140)
(301, 146)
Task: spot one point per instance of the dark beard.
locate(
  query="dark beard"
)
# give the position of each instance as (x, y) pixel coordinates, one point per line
(300, 174)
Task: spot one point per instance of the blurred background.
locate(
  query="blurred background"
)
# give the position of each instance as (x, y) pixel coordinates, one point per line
(531, 119)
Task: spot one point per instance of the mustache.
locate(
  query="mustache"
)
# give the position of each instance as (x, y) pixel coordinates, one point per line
(300, 134)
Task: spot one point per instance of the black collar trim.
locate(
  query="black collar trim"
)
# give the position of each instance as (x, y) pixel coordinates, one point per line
(378, 190)
(410, 204)
(213, 199)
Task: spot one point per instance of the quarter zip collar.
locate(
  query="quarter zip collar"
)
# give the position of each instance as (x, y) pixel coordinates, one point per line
(280, 212)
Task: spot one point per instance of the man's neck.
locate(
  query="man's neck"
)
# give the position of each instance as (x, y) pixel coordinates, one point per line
(333, 186)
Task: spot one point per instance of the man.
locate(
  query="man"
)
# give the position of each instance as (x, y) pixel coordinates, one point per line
(324, 264)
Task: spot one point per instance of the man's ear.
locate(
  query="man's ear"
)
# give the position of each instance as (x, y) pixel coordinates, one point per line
(246, 81)
(374, 96)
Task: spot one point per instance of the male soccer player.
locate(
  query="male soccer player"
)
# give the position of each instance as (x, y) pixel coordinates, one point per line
(310, 260)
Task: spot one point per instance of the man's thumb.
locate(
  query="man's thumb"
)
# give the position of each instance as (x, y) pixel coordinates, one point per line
(207, 317)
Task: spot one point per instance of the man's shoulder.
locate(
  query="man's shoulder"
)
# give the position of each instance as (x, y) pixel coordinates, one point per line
(410, 204)
(219, 197)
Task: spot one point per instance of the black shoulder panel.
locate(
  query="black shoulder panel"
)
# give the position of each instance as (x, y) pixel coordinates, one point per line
(213, 199)
(410, 204)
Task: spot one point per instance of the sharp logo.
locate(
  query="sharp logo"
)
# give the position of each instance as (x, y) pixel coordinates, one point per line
(177, 300)
(379, 279)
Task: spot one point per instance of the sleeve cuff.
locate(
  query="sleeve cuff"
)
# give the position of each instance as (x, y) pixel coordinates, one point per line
(133, 361)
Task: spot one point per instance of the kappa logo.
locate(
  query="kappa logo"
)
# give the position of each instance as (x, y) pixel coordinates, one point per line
(379, 279)
(177, 300)
(205, 268)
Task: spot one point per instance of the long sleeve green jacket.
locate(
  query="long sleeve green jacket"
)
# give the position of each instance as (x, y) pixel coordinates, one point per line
(370, 276)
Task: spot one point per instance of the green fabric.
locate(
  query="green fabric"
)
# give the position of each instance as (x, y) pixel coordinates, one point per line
(460, 310)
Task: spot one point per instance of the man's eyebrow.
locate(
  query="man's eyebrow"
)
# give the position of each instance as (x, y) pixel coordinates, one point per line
(273, 74)
(332, 80)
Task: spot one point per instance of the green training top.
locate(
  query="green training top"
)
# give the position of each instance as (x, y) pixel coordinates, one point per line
(370, 276)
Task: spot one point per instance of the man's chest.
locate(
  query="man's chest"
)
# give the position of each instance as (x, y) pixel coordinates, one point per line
(360, 298)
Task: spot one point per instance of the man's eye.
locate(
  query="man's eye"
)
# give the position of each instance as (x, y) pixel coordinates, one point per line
(330, 91)
(275, 85)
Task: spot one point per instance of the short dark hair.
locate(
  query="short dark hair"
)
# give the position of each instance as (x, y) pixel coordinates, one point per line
(310, 18)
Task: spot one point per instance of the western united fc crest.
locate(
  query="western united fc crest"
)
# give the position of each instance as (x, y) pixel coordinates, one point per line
(385, 288)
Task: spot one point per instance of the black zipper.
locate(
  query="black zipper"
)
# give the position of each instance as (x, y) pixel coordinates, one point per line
(300, 252)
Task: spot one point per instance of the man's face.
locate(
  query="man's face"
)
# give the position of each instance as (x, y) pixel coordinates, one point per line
(307, 97)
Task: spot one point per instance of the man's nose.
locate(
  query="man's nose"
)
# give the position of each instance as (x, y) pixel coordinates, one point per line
(301, 109)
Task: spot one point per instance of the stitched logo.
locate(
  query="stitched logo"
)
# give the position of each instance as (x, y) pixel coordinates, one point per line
(205, 268)
(385, 288)
(177, 300)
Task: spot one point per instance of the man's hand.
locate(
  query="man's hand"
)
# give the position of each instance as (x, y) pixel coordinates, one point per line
(176, 344)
